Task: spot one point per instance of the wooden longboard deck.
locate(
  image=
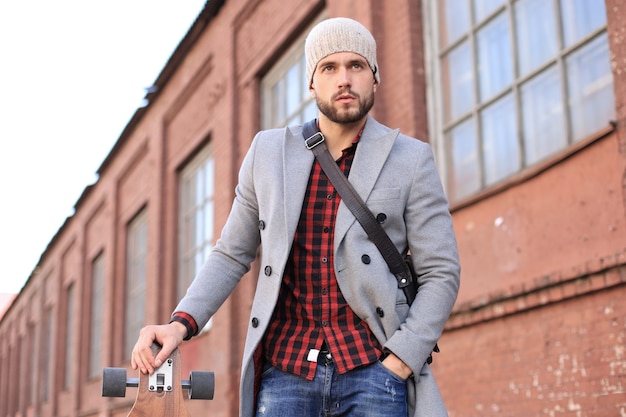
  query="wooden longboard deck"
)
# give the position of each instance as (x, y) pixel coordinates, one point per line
(161, 403)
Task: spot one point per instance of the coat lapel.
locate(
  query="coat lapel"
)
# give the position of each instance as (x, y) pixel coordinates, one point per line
(371, 153)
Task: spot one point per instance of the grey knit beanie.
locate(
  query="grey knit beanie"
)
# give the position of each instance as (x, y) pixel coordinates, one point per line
(339, 34)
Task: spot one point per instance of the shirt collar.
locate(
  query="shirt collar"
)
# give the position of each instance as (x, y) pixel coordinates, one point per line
(350, 150)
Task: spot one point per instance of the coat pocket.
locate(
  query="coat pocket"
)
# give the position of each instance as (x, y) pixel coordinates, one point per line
(381, 194)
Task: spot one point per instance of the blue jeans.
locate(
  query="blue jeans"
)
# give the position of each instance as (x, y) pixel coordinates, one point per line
(369, 391)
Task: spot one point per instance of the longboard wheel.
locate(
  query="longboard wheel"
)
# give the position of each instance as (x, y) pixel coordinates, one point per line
(201, 385)
(114, 382)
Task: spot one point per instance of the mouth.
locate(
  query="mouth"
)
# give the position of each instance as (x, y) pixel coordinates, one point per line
(345, 98)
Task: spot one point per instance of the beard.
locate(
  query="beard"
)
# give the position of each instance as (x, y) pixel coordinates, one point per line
(346, 115)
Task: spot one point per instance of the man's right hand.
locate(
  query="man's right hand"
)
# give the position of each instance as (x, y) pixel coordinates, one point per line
(169, 336)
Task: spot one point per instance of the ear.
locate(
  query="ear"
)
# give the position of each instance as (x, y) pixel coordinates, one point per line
(312, 91)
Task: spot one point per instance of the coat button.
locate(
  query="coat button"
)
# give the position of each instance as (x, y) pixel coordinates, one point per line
(268, 271)
(261, 225)
(381, 217)
(366, 259)
(380, 312)
(255, 322)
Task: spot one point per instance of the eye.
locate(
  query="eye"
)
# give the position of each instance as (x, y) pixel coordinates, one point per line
(358, 65)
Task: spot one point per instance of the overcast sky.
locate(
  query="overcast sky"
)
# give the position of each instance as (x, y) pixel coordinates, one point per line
(72, 74)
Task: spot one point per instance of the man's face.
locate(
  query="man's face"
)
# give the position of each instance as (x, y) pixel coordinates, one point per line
(343, 86)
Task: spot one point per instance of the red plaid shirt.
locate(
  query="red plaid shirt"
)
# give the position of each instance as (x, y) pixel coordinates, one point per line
(311, 309)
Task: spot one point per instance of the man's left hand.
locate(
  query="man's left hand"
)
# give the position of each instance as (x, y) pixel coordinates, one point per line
(395, 365)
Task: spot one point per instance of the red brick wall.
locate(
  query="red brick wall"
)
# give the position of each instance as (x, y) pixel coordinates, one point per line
(616, 27)
(561, 358)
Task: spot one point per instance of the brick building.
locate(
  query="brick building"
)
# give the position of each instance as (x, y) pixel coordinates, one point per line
(524, 104)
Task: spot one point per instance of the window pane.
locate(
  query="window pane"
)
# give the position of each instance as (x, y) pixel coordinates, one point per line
(294, 119)
(543, 117)
(69, 338)
(97, 319)
(199, 227)
(494, 58)
(500, 145)
(310, 111)
(209, 215)
(198, 261)
(303, 68)
(483, 8)
(465, 178)
(590, 88)
(199, 187)
(536, 33)
(136, 253)
(294, 82)
(455, 18)
(581, 17)
(209, 185)
(278, 107)
(33, 365)
(46, 372)
(458, 82)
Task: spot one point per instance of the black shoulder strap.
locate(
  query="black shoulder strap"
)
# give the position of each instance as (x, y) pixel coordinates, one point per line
(314, 140)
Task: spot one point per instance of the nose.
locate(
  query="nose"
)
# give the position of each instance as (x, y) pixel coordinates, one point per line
(343, 78)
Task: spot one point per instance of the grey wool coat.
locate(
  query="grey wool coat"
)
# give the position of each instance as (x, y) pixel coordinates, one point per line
(395, 175)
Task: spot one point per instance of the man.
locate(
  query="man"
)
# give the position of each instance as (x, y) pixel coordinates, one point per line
(330, 332)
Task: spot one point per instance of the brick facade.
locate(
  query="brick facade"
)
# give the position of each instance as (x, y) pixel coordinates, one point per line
(540, 324)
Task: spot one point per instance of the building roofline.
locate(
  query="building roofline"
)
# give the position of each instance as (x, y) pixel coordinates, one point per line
(209, 12)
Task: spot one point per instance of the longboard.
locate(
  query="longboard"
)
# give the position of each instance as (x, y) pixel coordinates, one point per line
(159, 394)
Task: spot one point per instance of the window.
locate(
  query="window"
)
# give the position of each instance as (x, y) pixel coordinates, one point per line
(136, 255)
(96, 318)
(286, 99)
(197, 216)
(21, 377)
(514, 82)
(69, 337)
(46, 362)
(32, 363)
